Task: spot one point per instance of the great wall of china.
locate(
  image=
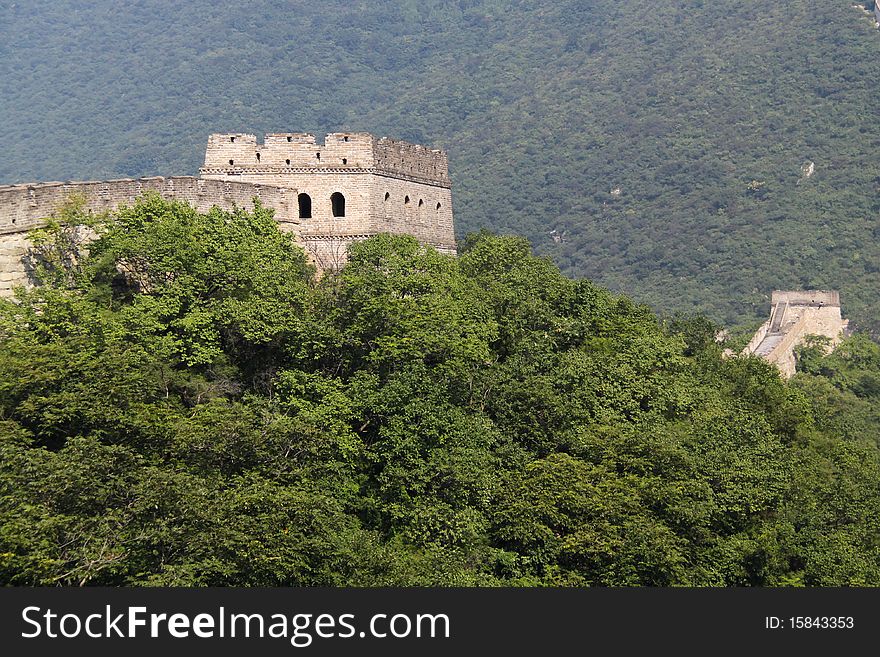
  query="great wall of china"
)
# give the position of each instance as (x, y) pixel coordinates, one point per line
(328, 195)
(794, 315)
(331, 194)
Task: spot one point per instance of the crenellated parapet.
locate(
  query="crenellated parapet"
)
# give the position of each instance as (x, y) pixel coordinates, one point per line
(329, 194)
(291, 153)
(404, 159)
(24, 207)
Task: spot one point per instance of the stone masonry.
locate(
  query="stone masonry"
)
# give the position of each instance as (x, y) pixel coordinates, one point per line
(793, 316)
(328, 195)
(381, 186)
(25, 207)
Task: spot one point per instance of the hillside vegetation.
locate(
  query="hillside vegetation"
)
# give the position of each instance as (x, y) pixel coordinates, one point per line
(187, 405)
(664, 147)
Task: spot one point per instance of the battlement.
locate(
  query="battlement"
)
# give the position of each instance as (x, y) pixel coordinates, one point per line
(329, 195)
(26, 206)
(401, 157)
(240, 154)
(806, 297)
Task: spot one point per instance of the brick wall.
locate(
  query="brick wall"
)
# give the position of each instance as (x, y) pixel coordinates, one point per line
(388, 185)
(806, 297)
(413, 160)
(240, 154)
(13, 247)
(25, 207)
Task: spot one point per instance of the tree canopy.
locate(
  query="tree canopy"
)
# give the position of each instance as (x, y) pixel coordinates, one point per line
(184, 402)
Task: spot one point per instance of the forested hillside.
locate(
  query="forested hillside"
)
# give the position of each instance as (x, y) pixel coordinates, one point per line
(662, 152)
(186, 405)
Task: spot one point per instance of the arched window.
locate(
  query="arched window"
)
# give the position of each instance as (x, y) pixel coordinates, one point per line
(406, 200)
(421, 211)
(337, 202)
(305, 206)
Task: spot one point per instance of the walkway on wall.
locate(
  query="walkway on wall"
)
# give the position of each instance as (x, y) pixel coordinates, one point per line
(768, 344)
(774, 334)
(778, 316)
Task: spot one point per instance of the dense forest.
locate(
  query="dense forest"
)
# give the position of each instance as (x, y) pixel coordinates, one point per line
(186, 403)
(695, 155)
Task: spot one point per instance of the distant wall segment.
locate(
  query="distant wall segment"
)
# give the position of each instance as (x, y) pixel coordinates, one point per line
(794, 315)
(818, 298)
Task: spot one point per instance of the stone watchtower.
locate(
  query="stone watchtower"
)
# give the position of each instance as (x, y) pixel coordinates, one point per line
(348, 188)
(794, 315)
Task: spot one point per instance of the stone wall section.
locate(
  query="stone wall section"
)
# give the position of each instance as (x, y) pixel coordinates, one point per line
(388, 185)
(23, 207)
(401, 206)
(284, 153)
(796, 314)
(411, 160)
(231, 152)
(13, 248)
(326, 237)
(806, 297)
(320, 185)
(26, 207)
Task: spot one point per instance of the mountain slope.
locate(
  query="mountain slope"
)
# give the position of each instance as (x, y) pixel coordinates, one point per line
(663, 149)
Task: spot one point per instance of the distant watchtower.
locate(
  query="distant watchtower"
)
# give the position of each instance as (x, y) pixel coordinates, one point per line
(794, 315)
(348, 188)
